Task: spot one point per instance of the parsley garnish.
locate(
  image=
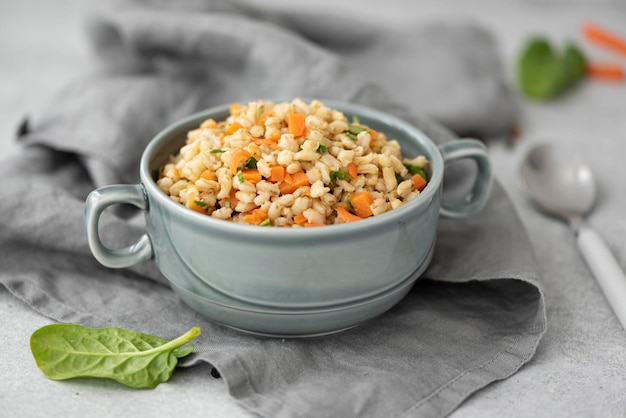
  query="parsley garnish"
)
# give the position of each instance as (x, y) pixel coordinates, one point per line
(240, 177)
(416, 169)
(200, 203)
(250, 163)
(339, 175)
(355, 130)
(266, 223)
(322, 148)
(350, 135)
(349, 204)
(216, 151)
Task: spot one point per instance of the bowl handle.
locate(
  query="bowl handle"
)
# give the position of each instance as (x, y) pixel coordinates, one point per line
(96, 203)
(477, 197)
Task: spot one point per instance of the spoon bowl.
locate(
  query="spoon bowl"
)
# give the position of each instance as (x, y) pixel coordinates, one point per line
(561, 185)
(557, 182)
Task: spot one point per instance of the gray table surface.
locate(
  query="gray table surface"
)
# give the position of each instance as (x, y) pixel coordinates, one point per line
(580, 366)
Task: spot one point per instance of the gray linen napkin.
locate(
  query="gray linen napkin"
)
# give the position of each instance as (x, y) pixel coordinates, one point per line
(476, 317)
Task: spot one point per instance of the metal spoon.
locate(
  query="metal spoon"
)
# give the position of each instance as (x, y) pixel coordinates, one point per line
(566, 188)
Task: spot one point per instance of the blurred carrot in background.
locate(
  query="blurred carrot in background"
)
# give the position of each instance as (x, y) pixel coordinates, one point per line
(605, 71)
(600, 36)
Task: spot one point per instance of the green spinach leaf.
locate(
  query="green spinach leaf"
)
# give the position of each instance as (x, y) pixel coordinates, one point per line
(544, 73)
(135, 359)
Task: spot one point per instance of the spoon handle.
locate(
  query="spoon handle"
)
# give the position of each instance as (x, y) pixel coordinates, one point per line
(606, 269)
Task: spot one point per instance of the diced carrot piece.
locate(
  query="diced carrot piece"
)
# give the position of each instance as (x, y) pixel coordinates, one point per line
(296, 124)
(196, 207)
(418, 182)
(277, 174)
(238, 156)
(288, 178)
(252, 175)
(265, 141)
(231, 199)
(345, 215)
(275, 136)
(263, 117)
(352, 170)
(208, 175)
(233, 128)
(300, 219)
(361, 202)
(374, 134)
(307, 225)
(299, 179)
(255, 217)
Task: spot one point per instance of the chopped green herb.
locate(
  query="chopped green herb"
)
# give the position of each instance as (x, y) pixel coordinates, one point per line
(349, 204)
(355, 120)
(200, 203)
(259, 112)
(322, 149)
(216, 151)
(250, 163)
(355, 130)
(188, 179)
(399, 178)
(341, 175)
(416, 169)
(266, 223)
(227, 205)
(351, 136)
(240, 177)
(300, 148)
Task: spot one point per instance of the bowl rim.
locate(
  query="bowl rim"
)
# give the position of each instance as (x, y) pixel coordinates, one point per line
(364, 226)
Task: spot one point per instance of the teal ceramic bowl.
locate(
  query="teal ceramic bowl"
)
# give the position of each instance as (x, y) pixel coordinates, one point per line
(289, 281)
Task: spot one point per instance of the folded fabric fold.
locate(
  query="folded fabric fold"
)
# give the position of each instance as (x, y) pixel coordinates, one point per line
(476, 316)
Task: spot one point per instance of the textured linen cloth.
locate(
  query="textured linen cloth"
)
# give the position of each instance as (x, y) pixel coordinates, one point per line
(476, 316)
